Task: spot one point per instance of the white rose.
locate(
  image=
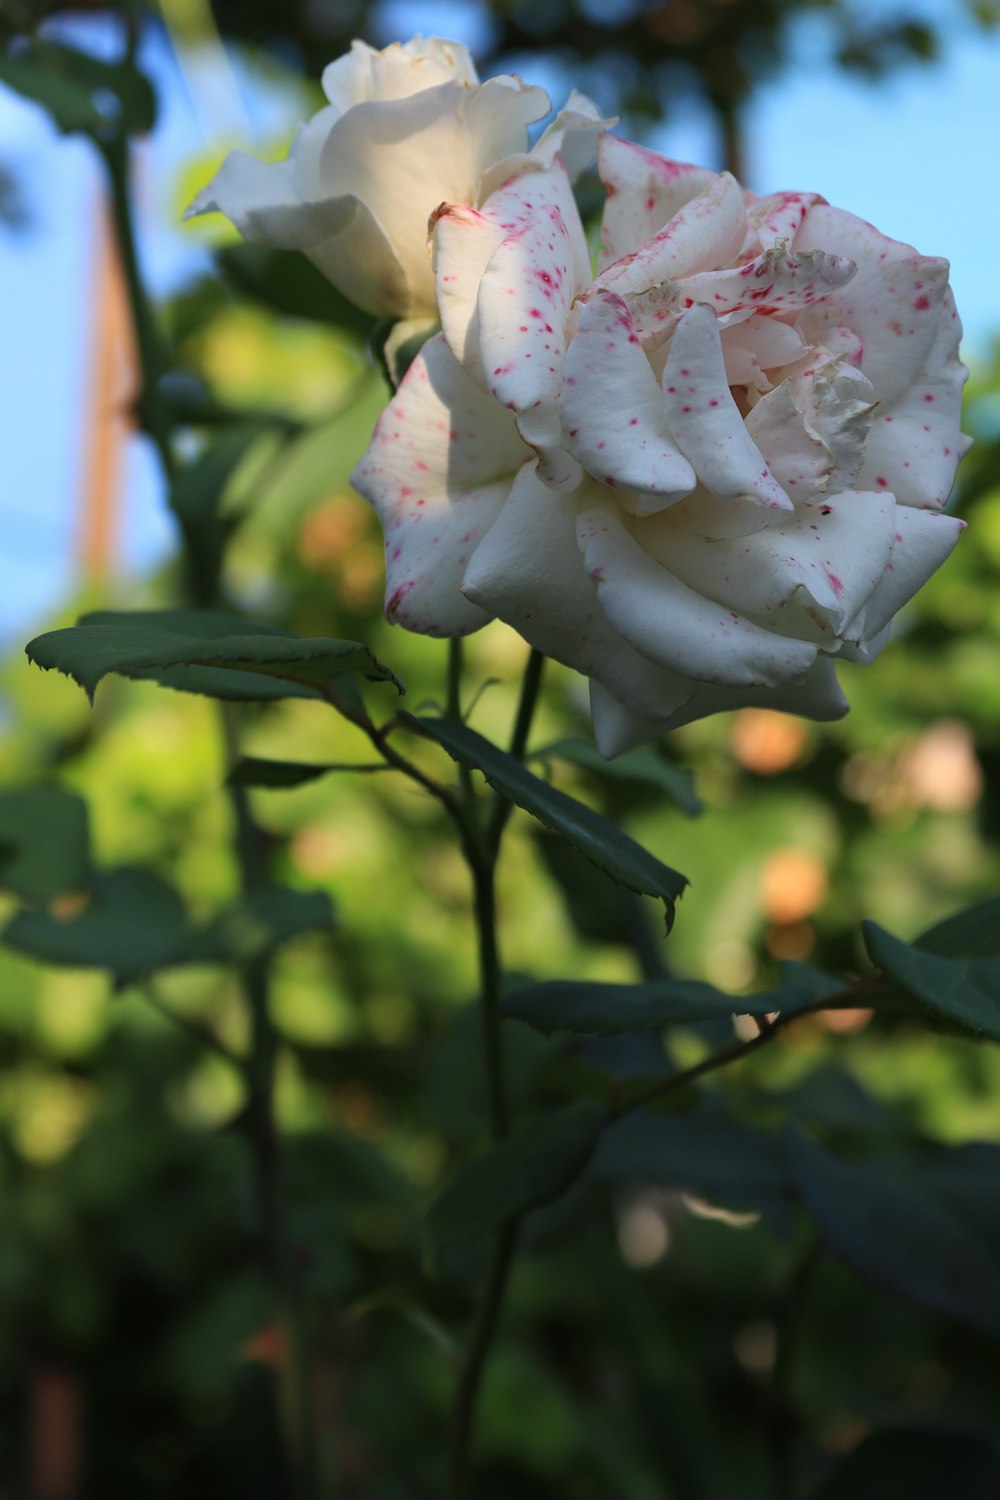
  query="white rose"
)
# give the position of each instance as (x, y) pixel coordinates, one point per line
(406, 129)
(736, 444)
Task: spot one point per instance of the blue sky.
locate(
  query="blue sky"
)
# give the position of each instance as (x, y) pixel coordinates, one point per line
(907, 153)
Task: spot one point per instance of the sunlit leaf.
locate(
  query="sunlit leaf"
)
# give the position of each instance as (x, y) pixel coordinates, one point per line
(176, 643)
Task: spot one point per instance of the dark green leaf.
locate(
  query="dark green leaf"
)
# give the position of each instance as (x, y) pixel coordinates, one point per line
(249, 771)
(605, 1009)
(917, 1464)
(258, 923)
(531, 1168)
(899, 1234)
(972, 933)
(164, 642)
(132, 923)
(44, 843)
(710, 1155)
(70, 103)
(606, 846)
(289, 283)
(645, 766)
(198, 487)
(964, 991)
(81, 92)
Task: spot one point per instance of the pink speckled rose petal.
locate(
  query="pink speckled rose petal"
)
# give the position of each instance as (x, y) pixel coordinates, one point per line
(776, 283)
(679, 629)
(922, 539)
(704, 419)
(613, 412)
(915, 445)
(833, 550)
(644, 191)
(465, 239)
(524, 301)
(528, 571)
(438, 470)
(709, 229)
(893, 303)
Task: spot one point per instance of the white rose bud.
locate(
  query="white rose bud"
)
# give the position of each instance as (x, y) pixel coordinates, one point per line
(406, 129)
(700, 480)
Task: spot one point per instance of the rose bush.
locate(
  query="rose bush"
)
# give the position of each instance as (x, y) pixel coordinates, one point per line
(699, 479)
(406, 128)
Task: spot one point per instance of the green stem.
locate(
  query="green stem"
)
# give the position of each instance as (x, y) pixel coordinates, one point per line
(491, 993)
(483, 857)
(454, 711)
(530, 688)
(475, 1362)
(845, 999)
(294, 1392)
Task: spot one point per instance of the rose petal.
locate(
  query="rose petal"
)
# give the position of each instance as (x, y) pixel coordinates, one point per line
(528, 571)
(571, 138)
(799, 462)
(644, 191)
(759, 345)
(402, 157)
(523, 306)
(678, 629)
(617, 728)
(396, 71)
(835, 551)
(893, 303)
(464, 241)
(779, 281)
(613, 409)
(707, 232)
(705, 421)
(837, 402)
(922, 539)
(437, 470)
(342, 237)
(915, 447)
(780, 216)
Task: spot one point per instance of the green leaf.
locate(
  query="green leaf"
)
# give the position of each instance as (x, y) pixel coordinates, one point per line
(258, 923)
(289, 283)
(964, 991)
(81, 92)
(916, 1464)
(44, 842)
(198, 487)
(972, 933)
(249, 771)
(612, 851)
(645, 766)
(605, 1009)
(709, 1155)
(132, 923)
(531, 1168)
(898, 1233)
(175, 648)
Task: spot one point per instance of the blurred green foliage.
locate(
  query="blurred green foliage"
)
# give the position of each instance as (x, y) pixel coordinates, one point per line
(678, 1325)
